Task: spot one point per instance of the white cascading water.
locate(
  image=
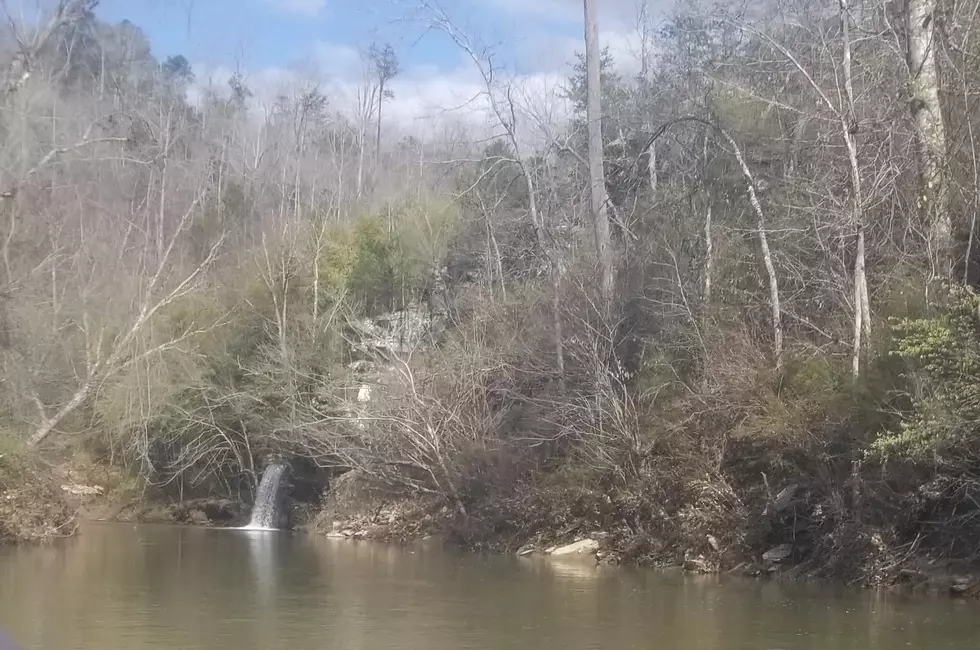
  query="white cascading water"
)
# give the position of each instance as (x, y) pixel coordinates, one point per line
(265, 512)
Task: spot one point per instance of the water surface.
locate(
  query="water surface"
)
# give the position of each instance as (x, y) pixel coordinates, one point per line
(121, 587)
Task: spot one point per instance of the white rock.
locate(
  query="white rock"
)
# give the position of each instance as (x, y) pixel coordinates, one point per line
(86, 490)
(364, 393)
(581, 547)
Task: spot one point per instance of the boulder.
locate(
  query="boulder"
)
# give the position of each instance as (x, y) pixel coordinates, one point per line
(778, 553)
(581, 547)
(965, 587)
(197, 516)
(697, 564)
(784, 499)
(527, 549)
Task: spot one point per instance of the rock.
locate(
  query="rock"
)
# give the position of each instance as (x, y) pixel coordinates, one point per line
(347, 532)
(696, 564)
(581, 547)
(965, 587)
(778, 553)
(364, 393)
(335, 535)
(198, 517)
(400, 331)
(527, 549)
(739, 569)
(83, 490)
(785, 498)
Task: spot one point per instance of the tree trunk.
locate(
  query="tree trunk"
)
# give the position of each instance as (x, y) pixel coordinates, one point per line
(930, 130)
(849, 126)
(708, 259)
(554, 272)
(360, 161)
(597, 179)
(652, 167)
(48, 424)
(377, 140)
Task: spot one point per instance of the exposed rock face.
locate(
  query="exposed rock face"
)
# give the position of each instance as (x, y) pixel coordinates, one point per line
(400, 332)
(380, 339)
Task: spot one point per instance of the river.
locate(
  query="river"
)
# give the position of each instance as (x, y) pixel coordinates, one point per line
(116, 587)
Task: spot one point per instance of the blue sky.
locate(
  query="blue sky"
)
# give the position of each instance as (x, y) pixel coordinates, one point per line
(278, 32)
(268, 39)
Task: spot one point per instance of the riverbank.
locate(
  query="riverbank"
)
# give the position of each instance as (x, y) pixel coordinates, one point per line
(33, 506)
(404, 523)
(39, 501)
(537, 527)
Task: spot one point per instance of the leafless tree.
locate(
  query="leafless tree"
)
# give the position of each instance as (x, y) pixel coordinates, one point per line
(597, 177)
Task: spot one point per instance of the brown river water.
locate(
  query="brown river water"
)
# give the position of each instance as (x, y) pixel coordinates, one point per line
(122, 587)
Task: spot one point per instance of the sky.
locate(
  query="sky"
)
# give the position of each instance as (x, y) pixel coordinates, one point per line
(277, 42)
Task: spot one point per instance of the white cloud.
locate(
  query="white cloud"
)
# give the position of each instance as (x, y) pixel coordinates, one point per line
(612, 13)
(300, 7)
(427, 100)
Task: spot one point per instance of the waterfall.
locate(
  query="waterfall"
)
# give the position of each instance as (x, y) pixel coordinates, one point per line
(265, 512)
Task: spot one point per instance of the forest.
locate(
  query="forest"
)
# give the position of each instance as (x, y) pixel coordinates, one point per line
(725, 309)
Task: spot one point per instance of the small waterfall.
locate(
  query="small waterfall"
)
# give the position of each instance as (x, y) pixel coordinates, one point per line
(265, 512)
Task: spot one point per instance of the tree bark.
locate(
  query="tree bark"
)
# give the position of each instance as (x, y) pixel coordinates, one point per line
(377, 140)
(930, 130)
(708, 258)
(848, 119)
(652, 167)
(597, 179)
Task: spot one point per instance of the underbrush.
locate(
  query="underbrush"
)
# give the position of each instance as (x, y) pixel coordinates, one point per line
(32, 505)
(760, 471)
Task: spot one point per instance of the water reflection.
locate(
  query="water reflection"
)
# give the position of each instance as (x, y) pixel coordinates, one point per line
(262, 560)
(116, 587)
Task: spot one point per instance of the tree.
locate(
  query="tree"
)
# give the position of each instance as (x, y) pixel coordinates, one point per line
(930, 131)
(29, 46)
(385, 63)
(597, 178)
(178, 69)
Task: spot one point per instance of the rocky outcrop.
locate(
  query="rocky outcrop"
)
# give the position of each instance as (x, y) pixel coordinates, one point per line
(400, 332)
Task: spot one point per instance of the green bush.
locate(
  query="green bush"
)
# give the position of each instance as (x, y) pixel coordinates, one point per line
(942, 353)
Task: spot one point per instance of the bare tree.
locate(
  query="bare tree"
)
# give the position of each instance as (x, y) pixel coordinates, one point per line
(29, 46)
(597, 177)
(105, 356)
(503, 105)
(930, 131)
(752, 191)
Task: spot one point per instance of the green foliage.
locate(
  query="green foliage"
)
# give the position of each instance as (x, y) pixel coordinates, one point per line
(383, 261)
(942, 351)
